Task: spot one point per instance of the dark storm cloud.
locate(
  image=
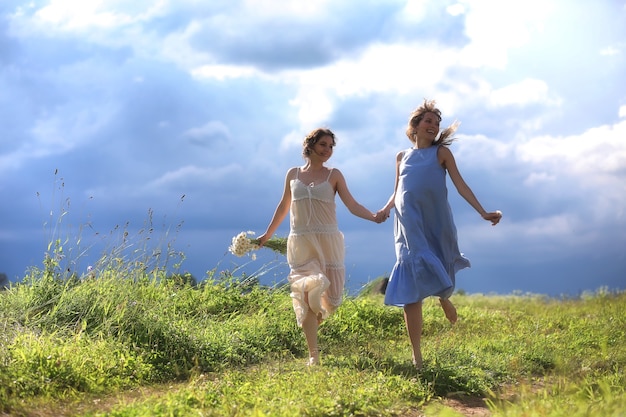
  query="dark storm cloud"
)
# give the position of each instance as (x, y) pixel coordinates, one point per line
(288, 42)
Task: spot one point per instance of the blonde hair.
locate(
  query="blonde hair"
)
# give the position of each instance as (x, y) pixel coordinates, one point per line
(429, 106)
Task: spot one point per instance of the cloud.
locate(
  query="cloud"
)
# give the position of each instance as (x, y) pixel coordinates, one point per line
(527, 91)
(193, 176)
(84, 17)
(221, 72)
(137, 104)
(598, 154)
(494, 32)
(564, 193)
(211, 131)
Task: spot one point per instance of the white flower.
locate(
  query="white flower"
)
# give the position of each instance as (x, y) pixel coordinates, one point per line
(242, 244)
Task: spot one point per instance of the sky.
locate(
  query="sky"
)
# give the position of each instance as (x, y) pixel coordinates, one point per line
(156, 130)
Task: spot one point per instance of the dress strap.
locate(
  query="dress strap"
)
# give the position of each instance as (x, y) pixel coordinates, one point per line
(329, 174)
(297, 173)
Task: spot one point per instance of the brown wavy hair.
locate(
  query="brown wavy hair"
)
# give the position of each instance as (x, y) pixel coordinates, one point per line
(312, 138)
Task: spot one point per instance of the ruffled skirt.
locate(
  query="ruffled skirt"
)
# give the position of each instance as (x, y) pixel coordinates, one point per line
(317, 276)
(414, 278)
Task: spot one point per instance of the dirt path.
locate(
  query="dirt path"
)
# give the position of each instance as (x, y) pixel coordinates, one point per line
(463, 404)
(468, 406)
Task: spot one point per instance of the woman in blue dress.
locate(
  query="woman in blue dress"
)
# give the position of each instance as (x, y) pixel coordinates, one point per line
(427, 253)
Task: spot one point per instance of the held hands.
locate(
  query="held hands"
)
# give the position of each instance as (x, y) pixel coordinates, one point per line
(381, 216)
(494, 217)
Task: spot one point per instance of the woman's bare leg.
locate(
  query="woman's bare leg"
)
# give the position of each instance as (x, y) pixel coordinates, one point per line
(310, 325)
(413, 320)
(449, 309)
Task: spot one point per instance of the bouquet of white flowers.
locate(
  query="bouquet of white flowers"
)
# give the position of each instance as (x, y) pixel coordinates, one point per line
(243, 243)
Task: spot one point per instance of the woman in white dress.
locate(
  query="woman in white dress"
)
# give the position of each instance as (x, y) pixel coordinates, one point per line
(315, 246)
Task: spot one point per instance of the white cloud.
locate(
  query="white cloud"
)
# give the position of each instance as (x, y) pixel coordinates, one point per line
(381, 68)
(574, 185)
(222, 72)
(414, 11)
(293, 140)
(610, 51)
(495, 26)
(314, 105)
(177, 47)
(599, 150)
(456, 9)
(590, 168)
(210, 129)
(527, 91)
(288, 9)
(71, 15)
(181, 175)
(473, 148)
(390, 68)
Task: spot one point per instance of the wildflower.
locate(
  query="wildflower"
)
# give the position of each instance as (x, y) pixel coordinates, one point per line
(243, 243)
(91, 273)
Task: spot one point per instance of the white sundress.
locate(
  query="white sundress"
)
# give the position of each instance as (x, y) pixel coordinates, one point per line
(315, 250)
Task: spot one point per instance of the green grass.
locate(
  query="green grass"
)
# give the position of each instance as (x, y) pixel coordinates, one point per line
(127, 344)
(126, 339)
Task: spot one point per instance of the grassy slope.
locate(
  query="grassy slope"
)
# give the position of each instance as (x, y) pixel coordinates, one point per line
(149, 347)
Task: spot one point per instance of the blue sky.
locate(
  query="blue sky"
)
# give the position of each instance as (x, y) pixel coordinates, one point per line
(184, 116)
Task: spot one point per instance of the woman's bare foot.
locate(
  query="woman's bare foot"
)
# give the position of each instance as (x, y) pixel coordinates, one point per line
(449, 310)
(314, 358)
(417, 362)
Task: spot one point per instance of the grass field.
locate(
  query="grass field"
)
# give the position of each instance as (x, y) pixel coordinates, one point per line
(131, 343)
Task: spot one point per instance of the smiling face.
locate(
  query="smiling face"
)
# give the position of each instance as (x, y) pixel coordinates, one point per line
(428, 127)
(319, 143)
(323, 148)
(424, 123)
